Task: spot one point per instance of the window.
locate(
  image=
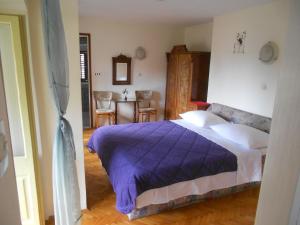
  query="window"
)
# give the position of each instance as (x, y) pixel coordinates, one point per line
(83, 66)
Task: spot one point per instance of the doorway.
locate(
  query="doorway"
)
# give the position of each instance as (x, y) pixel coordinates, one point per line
(86, 81)
(18, 105)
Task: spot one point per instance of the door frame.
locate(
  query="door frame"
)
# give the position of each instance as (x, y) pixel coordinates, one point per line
(89, 79)
(17, 24)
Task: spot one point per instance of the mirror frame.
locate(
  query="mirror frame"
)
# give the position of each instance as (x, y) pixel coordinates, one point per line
(121, 59)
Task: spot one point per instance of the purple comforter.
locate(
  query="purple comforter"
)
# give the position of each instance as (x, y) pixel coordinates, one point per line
(143, 156)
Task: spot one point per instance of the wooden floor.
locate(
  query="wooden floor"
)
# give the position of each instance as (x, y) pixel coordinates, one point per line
(237, 209)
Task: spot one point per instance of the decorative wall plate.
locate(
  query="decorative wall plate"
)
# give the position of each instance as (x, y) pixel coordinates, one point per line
(140, 53)
(268, 53)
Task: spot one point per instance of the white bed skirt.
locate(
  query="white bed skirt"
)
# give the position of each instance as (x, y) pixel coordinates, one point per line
(193, 187)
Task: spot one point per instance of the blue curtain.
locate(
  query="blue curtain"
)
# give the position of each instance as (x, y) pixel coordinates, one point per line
(65, 184)
(3, 151)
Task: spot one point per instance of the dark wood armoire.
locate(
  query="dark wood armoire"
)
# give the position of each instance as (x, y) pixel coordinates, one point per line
(187, 80)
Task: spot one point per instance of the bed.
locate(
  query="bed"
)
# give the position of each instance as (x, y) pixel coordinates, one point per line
(168, 164)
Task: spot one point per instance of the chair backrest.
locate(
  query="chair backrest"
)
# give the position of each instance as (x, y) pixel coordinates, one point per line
(103, 99)
(143, 98)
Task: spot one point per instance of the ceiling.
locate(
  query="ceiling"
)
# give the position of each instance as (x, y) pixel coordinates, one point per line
(181, 12)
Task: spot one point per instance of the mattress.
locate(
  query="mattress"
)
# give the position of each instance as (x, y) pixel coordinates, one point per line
(143, 156)
(249, 171)
(122, 149)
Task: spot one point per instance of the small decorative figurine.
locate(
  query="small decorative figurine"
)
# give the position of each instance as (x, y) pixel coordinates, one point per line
(125, 93)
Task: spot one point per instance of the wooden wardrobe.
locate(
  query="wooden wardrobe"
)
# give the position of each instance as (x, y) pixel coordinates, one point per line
(187, 80)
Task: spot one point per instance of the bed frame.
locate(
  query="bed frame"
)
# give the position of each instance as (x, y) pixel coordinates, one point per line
(188, 200)
(232, 115)
(241, 117)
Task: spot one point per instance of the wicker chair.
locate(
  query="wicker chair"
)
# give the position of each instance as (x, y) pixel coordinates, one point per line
(144, 109)
(103, 107)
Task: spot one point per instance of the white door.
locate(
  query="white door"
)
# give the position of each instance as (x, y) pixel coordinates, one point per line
(20, 118)
(9, 206)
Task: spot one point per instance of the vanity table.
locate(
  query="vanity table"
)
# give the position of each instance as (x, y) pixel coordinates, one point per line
(127, 101)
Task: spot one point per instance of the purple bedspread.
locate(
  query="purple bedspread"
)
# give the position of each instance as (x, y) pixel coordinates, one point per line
(143, 156)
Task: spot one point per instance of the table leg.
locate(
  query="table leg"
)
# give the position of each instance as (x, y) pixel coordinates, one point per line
(134, 113)
(116, 113)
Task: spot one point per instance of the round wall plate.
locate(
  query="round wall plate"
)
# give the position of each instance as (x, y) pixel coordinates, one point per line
(268, 53)
(140, 53)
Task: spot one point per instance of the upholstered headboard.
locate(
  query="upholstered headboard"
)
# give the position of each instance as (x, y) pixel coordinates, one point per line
(241, 117)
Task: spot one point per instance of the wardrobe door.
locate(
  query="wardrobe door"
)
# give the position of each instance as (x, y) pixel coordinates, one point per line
(201, 64)
(171, 90)
(184, 80)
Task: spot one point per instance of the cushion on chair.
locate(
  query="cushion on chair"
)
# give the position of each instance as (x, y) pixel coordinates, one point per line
(144, 110)
(104, 111)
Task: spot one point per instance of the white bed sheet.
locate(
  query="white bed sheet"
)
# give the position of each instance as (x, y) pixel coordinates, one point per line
(249, 170)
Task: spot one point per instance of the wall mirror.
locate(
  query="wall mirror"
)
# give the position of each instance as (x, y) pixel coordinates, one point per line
(121, 70)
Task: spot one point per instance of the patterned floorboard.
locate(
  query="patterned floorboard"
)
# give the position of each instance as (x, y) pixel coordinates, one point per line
(237, 209)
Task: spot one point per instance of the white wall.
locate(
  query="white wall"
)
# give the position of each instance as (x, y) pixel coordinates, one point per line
(282, 168)
(12, 7)
(199, 37)
(237, 80)
(111, 39)
(45, 112)
(70, 12)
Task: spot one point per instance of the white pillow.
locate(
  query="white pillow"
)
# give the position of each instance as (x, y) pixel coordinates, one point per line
(246, 136)
(202, 118)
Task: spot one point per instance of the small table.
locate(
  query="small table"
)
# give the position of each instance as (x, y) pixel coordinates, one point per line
(129, 100)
